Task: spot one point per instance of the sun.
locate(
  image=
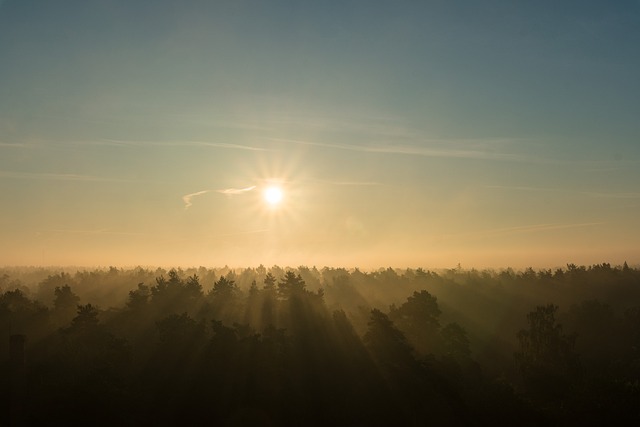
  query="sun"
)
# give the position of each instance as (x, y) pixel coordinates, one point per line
(273, 196)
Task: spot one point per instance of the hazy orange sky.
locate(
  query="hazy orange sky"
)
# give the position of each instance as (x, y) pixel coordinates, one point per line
(489, 134)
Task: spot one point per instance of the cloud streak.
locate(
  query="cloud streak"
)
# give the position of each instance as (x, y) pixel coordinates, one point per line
(132, 143)
(613, 195)
(526, 188)
(413, 150)
(233, 191)
(59, 177)
(596, 194)
(188, 198)
(13, 145)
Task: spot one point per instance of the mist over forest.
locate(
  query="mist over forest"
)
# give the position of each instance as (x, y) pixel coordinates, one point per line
(330, 346)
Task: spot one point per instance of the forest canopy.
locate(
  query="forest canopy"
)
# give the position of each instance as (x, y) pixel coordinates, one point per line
(291, 346)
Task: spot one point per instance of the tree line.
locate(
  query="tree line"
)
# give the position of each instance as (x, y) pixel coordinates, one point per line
(324, 347)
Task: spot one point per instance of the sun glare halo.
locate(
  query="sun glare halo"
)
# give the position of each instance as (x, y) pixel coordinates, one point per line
(272, 196)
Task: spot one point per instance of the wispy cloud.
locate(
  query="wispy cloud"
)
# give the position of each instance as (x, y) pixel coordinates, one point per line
(233, 191)
(360, 125)
(187, 198)
(223, 121)
(612, 195)
(59, 176)
(13, 145)
(181, 143)
(525, 188)
(413, 150)
(598, 194)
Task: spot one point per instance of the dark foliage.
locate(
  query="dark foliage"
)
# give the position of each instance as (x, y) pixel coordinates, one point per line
(276, 348)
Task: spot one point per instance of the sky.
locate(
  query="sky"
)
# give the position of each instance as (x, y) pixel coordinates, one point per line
(403, 133)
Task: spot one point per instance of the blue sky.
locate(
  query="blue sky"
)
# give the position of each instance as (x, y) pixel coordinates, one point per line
(423, 133)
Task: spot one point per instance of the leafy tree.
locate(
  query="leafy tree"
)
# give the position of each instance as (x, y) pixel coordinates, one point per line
(269, 282)
(86, 318)
(455, 342)
(47, 287)
(20, 315)
(65, 305)
(64, 297)
(253, 305)
(193, 288)
(139, 298)
(267, 307)
(224, 288)
(253, 289)
(7, 283)
(547, 359)
(92, 367)
(418, 318)
(224, 301)
(597, 331)
(177, 330)
(387, 344)
(290, 284)
(631, 334)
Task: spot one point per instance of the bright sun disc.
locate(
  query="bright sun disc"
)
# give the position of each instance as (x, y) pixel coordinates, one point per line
(272, 195)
